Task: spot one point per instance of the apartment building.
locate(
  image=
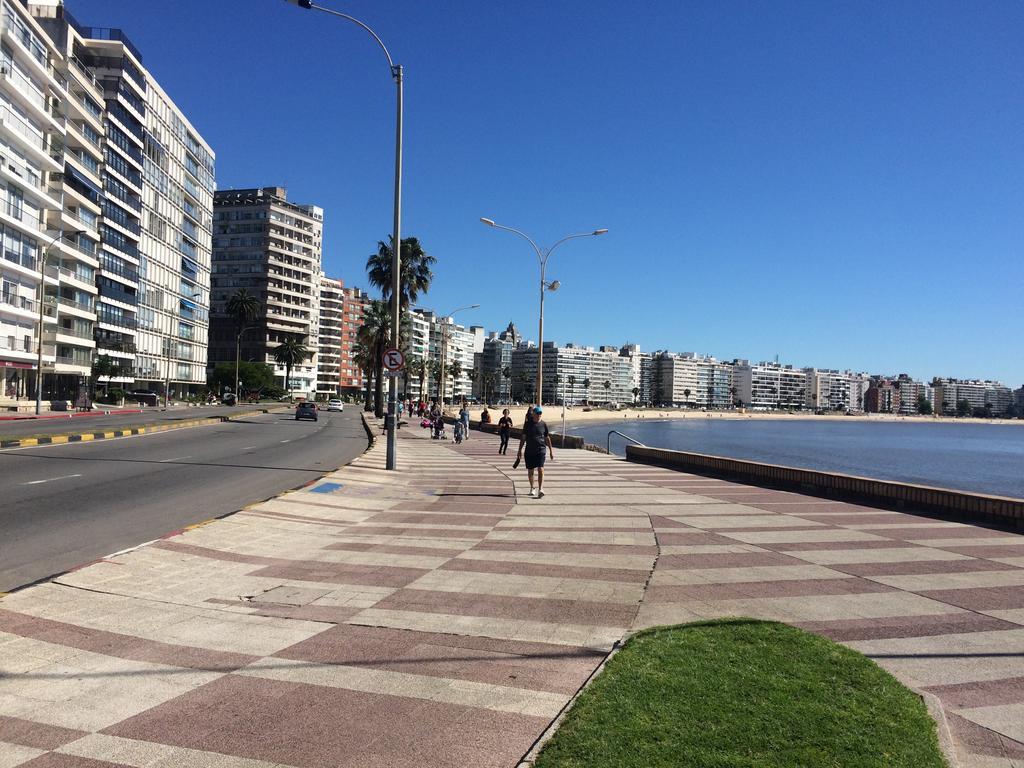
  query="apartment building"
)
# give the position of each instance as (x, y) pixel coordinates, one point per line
(689, 380)
(354, 304)
(575, 374)
(332, 300)
(272, 248)
(32, 140)
(860, 383)
(765, 386)
(137, 173)
(911, 394)
(827, 389)
(495, 365)
(991, 396)
(434, 336)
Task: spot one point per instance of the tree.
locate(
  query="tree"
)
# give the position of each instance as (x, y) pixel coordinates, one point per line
(244, 308)
(963, 408)
(289, 353)
(253, 377)
(434, 369)
(607, 389)
(453, 371)
(686, 396)
(506, 373)
(732, 396)
(106, 367)
(374, 334)
(416, 274)
(923, 406)
(636, 394)
(586, 387)
(363, 357)
(418, 369)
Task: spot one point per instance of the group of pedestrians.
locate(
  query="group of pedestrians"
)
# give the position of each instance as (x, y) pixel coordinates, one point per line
(534, 442)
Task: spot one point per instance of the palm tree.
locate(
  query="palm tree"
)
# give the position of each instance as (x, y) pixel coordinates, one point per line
(416, 274)
(434, 369)
(586, 387)
(363, 357)
(289, 353)
(418, 370)
(636, 394)
(732, 394)
(506, 373)
(607, 388)
(244, 308)
(454, 370)
(374, 335)
(686, 397)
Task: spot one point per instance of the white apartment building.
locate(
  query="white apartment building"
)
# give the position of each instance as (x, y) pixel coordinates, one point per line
(979, 393)
(332, 298)
(827, 390)
(32, 140)
(690, 380)
(434, 337)
(138, 173)
(764, 386)
(860, 383)
(574, 373)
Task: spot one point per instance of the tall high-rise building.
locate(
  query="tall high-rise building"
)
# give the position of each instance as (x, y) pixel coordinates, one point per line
(353, 307)
(328, 379)
(148, 193)
(692, 380)
(769, 385)
(272, 248)
(32, 140)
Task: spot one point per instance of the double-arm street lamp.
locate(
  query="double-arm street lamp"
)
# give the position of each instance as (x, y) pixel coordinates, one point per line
(42, 299)
(542, 259)
(396, 240)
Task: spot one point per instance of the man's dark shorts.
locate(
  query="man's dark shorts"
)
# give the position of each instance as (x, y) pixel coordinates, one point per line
(535, 460)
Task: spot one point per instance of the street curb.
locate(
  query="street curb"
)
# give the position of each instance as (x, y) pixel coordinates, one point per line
(70, 415)
(145, 429)
(945, 734)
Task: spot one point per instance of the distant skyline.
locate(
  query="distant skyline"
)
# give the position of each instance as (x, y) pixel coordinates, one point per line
(837, 184)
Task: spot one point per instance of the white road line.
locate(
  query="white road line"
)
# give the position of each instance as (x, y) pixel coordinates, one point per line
(286, 441)
(176, 458)
(247, 447)
(51, 479)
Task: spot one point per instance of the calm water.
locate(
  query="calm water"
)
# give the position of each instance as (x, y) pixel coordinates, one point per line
(987, 458)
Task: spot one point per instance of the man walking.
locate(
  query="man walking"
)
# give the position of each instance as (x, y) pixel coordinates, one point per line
(535, 439)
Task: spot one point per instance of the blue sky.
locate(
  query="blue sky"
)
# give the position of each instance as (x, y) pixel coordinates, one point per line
(839, 184)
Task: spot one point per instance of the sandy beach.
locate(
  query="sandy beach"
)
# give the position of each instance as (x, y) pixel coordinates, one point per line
(577, 414)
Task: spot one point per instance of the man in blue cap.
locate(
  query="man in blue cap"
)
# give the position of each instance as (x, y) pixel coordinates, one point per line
(537, 441)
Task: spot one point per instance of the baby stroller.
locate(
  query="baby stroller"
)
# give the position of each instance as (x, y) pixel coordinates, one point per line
(458, 430)
(439, 429)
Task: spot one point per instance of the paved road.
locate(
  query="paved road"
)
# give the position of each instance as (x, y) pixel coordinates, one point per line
(64, 505)
(37, 427)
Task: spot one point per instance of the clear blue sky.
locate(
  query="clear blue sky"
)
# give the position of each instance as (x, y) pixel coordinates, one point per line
(837, 183)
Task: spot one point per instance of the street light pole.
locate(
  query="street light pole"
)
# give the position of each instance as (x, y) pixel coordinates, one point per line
(397, 74)
(42, 298)
(542, 259)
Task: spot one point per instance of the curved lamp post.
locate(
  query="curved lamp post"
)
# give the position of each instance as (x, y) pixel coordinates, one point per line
(42, 298)
(542, 259)
(396, 241)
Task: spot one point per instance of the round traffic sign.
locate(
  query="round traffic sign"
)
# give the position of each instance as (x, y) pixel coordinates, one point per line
(393, 360)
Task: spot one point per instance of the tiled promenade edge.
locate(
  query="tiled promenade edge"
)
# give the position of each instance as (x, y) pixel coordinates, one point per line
(438, 617)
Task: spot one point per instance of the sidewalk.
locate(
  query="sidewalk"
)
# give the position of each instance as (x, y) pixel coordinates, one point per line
(438, 617)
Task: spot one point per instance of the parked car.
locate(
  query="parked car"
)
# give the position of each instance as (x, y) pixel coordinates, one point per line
(306, 411)
(335, 405)
(143, 397)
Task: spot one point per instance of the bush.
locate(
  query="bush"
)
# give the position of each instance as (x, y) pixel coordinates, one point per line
(114, 395)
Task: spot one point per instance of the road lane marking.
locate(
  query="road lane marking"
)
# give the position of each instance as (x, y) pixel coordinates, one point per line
(247, 447)
(51, 479)
(286, 441)
(176, 458)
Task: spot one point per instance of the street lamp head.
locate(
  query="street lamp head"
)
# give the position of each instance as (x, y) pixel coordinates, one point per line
(301, 3)
(600, 231)
(473, 306)
(488, 222)
(554, 285)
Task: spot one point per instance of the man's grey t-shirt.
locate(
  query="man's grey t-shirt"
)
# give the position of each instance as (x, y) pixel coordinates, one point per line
(536, 433)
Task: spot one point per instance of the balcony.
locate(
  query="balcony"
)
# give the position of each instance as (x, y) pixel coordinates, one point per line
(111, 318)
(72, 304)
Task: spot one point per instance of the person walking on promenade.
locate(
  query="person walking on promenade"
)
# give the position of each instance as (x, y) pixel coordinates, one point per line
(464, 418)
(504, 430)
(535, 439)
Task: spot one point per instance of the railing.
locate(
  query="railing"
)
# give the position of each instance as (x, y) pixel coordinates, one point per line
(18, 302)
(27, 344)
(64, 301)
(22, 171)
(608, 442)
(19, 126)
(118, 320)
(82, 361)
(22, 84)
(78, 334)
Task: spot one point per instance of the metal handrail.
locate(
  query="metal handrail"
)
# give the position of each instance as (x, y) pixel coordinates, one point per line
(608, 442)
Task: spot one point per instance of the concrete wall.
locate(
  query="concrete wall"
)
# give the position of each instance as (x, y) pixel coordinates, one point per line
(944, 502)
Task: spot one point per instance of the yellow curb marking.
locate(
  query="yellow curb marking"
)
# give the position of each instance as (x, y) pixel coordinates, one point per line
(28, 442)
(198, 525)
(58, 439)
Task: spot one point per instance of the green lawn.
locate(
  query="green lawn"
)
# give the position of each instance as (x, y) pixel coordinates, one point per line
(739, 693)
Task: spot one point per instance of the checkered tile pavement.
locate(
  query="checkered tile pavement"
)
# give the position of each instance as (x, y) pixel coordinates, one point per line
(437, 616)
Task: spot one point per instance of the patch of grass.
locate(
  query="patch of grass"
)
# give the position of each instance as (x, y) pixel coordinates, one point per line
(742, 693)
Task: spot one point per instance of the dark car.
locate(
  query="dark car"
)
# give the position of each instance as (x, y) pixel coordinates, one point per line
(143, 397)
(305, 411)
